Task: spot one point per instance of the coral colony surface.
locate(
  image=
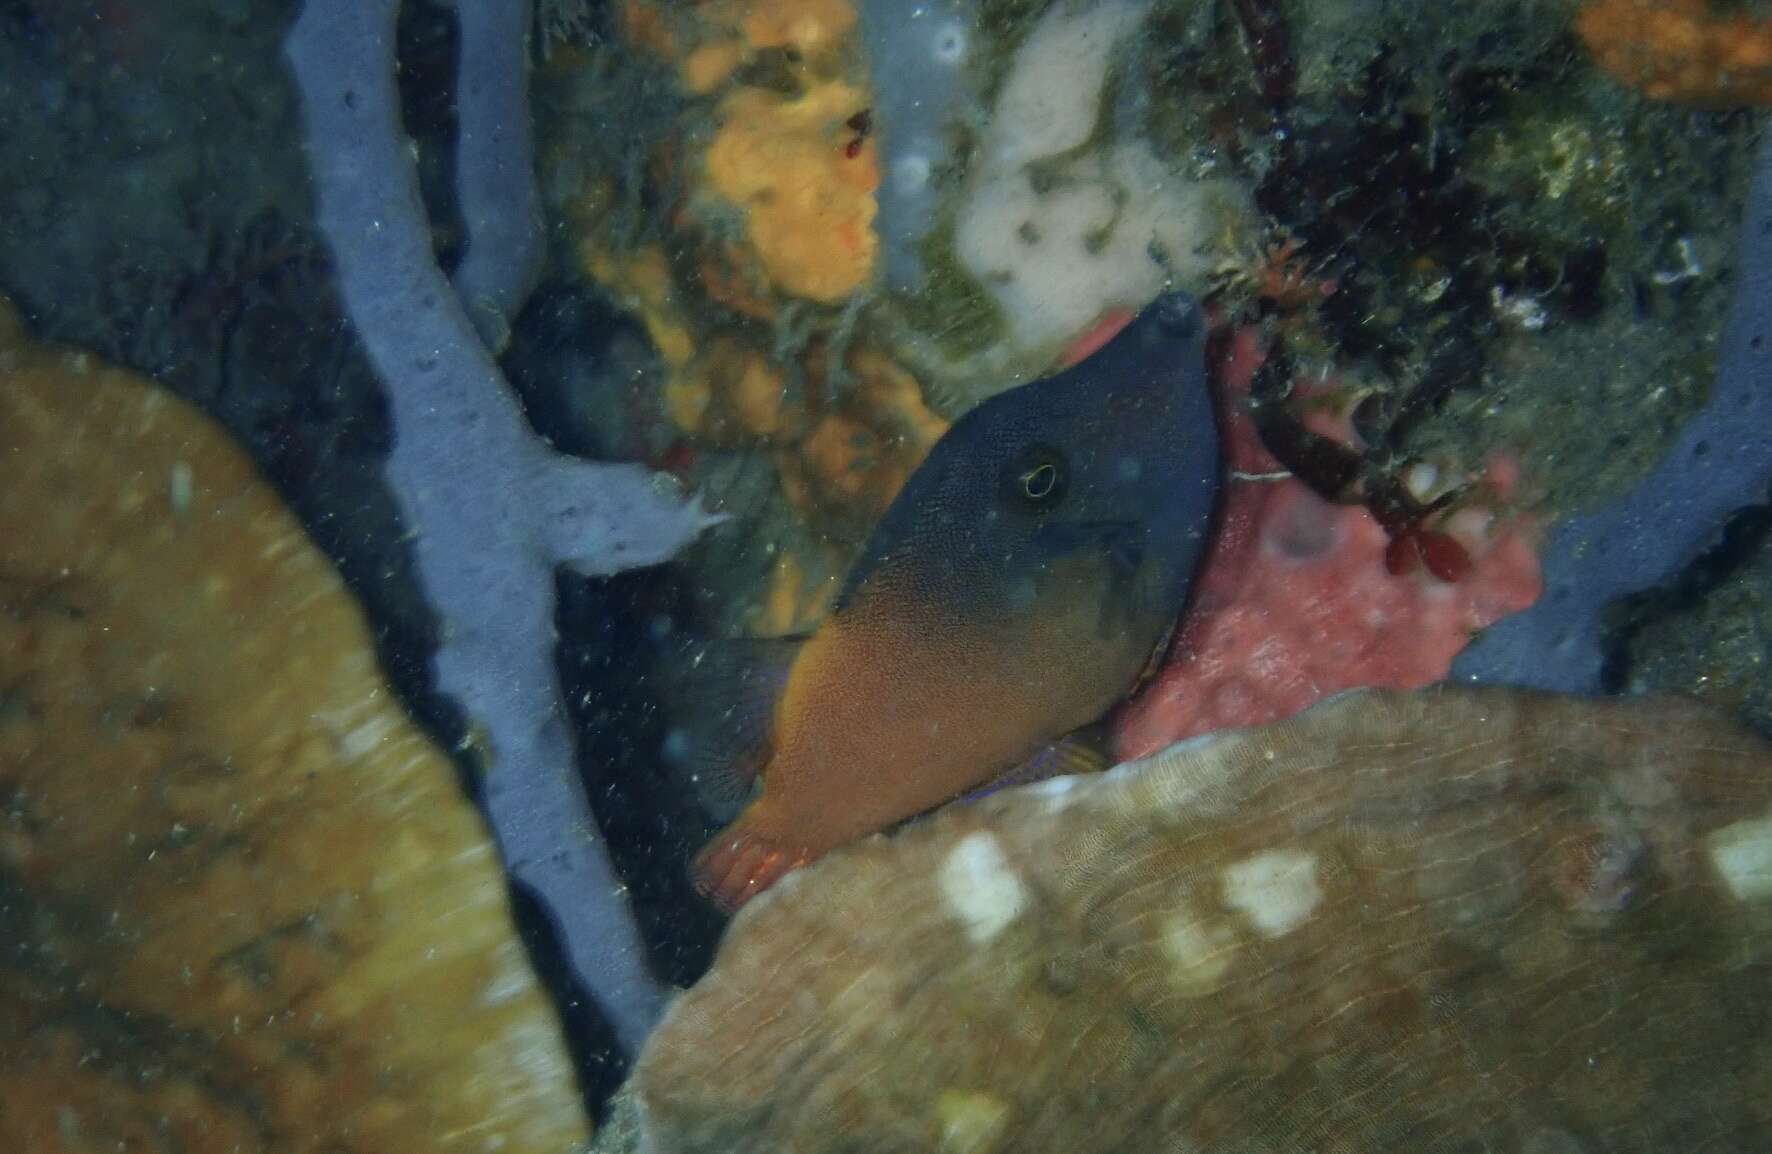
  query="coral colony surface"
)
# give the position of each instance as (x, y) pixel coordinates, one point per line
(245, 904)
(1394, 922)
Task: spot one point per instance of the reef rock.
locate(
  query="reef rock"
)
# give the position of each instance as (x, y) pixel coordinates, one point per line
(244, 903)
(1463, 919)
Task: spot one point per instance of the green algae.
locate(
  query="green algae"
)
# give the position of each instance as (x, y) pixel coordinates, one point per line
(1543, 256)
(951, 308)
(1002, 26)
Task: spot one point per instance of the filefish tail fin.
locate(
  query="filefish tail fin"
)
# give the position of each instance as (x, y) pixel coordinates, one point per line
(741, 862)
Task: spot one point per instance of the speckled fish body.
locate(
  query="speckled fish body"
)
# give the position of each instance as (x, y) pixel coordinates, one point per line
(1014, 591)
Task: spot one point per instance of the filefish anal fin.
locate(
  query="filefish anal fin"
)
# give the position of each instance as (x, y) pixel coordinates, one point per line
(1080, 751)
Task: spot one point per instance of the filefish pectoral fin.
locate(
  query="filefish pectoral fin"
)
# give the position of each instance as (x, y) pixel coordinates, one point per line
(722, 693)
(1124, 546)
(1135, 589)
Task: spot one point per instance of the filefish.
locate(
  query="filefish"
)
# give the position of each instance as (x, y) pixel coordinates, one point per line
(1025, 578)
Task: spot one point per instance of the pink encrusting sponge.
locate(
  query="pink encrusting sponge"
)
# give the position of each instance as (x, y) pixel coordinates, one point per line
(1296, 601)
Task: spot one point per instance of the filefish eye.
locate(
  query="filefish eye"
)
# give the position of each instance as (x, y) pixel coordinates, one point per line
(1037, 477)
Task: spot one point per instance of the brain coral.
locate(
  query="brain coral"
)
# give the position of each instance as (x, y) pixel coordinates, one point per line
(1451, 920)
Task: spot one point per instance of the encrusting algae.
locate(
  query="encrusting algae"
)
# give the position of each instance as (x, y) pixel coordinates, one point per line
(807, 192)
(752, 296)
(780, 194)
(1683, 51)
(245, 902)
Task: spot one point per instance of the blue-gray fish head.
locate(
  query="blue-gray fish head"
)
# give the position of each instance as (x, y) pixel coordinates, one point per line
(1116, 457)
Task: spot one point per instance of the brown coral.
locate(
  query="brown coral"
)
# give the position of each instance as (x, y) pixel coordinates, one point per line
(1459, 919)
(245, 905)
(1682, 51)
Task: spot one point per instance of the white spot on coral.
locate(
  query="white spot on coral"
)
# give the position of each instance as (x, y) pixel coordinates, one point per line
(1202, 951)
(981, 889)
(1057, 792)
(359, 740)
(1276, 890)
(181, 488)
(1742, 854)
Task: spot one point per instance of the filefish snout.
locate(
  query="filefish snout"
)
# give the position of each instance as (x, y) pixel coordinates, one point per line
(1013, 593)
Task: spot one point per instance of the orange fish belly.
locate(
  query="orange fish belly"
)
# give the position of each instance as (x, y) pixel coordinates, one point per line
(875, 727)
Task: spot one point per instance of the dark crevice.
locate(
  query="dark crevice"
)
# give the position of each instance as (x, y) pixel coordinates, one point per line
(1747, 532)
